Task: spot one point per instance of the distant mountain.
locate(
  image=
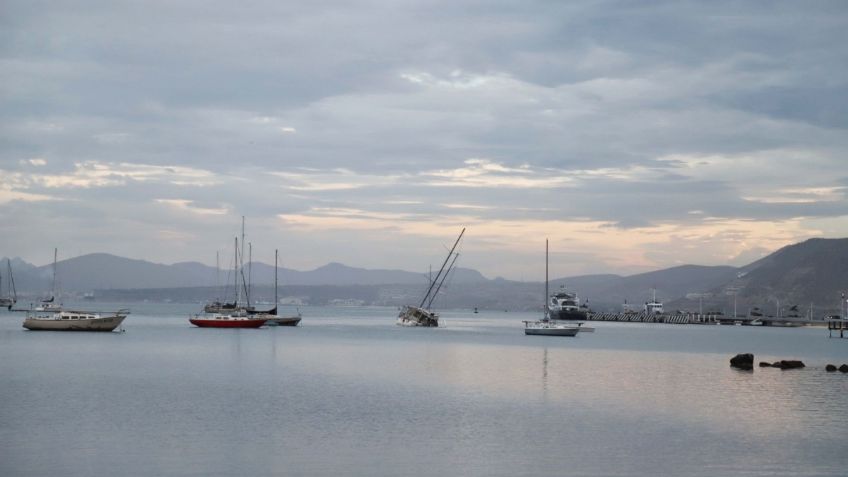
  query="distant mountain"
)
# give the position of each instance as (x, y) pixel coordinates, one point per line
(102, 271)
(814, 271)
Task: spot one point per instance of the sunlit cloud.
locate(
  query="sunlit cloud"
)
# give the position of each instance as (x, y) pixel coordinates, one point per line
(189, 206)
(92, 174)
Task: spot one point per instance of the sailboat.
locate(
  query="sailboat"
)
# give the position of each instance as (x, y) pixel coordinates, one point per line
(241, 315)
(546, 326)
(273, 318)
(12, 294)
(49, 305)
(422, 315)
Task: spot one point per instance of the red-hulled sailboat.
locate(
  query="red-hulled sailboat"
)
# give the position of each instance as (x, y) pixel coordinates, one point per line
(240, 315)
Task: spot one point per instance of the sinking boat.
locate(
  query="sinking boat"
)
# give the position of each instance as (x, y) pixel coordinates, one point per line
(422, 315)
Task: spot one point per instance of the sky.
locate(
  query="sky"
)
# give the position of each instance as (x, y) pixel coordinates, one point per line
(633, 135)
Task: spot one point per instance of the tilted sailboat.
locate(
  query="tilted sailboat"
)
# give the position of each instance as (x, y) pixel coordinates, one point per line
(422, 315)
(11, 297)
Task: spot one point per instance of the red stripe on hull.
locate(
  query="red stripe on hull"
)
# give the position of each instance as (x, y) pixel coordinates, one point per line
(226, 323)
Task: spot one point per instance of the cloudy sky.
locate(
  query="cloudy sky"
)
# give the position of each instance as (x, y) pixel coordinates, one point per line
(634, 135)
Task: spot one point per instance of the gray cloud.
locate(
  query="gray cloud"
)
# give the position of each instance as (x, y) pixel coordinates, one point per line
(644, 118)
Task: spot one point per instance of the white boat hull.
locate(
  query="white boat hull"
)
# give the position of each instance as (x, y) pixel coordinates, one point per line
(547, 328)
(106, 323)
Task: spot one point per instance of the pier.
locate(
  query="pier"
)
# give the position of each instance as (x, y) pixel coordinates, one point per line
(704, 319)
(838, 325)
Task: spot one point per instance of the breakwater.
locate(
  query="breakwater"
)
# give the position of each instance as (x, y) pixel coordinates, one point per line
(701, 319)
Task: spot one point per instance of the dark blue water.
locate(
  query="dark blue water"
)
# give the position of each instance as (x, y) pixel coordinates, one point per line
(350, 393)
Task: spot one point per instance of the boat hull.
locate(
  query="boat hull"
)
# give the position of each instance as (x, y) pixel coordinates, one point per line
(569, 315)
(106, 323)
(227, 323)
(414, 316)
(284, 321)
(551, 331)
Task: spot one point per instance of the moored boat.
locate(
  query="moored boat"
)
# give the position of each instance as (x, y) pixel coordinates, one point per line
(70, 320)
(565, 305)
(549, 328)
(546, 326)
(229, 320)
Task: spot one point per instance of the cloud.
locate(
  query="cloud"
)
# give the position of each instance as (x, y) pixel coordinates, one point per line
(578, 119)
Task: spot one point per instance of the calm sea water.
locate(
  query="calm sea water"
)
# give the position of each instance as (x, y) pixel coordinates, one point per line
(351, 393)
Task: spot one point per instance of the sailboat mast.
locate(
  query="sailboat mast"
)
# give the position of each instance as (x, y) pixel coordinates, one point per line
(436, 292)
(249, 270)
(53, 287)
(217, 275)
(276, 301)
(545, 309)
(430, 290)
(236, 270)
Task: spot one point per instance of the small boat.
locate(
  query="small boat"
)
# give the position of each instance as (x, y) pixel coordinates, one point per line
(549, 328)
(69, 320)
(241, 315)
(272, 318)
(421, 315)
(11, 297)
(546, 326)
(49, 305)
(240, 319)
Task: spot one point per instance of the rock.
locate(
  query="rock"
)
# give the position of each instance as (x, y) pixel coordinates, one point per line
(830, 368)
(743, 361)
(788, 364)
(764, 364)
(843, 368)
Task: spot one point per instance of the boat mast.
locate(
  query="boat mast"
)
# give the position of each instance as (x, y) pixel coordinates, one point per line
(249, 270)
(430, 290)
(12, 280)
(236, 270)
(217, 275)
(436, 292)
(546, 282)
(275, 279)
(53, 287)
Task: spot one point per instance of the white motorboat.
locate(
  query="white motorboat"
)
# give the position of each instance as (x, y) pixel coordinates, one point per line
(549, 328)
(69, 320)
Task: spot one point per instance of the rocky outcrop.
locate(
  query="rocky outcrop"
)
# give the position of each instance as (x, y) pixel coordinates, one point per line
(830, 368)
(843, 368)
(743, 361)
(788, 364)
(765, 364)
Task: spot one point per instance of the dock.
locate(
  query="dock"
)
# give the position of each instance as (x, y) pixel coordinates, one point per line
(703, 319)
(838, 325)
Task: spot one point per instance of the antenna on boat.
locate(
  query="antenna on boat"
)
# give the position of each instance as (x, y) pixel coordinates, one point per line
(545, 309)
(276, 301)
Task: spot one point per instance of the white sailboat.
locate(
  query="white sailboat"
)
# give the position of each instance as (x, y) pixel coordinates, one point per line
(422, 315)
(49, 305)
(11, 297)
(546, 326)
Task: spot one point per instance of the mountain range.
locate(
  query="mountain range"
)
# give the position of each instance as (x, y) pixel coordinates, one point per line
(810, 273)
